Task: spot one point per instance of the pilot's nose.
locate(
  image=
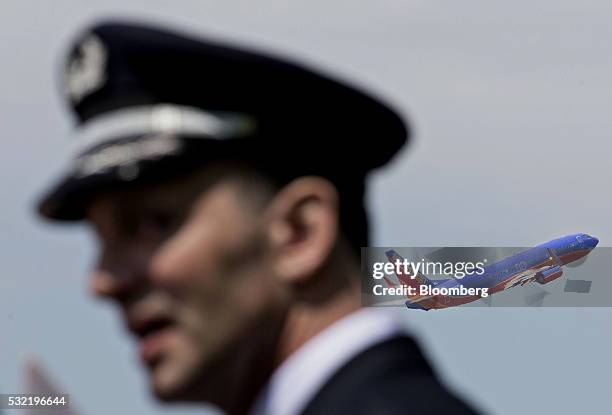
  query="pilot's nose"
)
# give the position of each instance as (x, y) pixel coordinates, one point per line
(592, 242)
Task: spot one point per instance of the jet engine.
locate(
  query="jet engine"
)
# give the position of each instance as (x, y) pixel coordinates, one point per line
(546, 276)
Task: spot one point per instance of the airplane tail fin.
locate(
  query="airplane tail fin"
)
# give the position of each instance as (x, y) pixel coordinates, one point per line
(410, 278)
(390, 283)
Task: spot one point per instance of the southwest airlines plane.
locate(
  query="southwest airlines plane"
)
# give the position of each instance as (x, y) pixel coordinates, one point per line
(541, 264)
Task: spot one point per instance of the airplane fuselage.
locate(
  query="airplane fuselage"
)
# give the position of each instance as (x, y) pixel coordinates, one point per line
(541, 264)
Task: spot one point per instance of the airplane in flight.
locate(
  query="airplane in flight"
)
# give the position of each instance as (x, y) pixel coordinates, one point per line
(542, 264)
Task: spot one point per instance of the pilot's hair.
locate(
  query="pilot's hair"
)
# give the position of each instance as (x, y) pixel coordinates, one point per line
(353, 217)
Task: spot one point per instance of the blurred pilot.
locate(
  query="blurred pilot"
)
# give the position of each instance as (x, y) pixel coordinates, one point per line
(226, 191)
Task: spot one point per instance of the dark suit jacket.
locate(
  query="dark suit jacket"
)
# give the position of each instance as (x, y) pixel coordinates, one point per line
(389, 378)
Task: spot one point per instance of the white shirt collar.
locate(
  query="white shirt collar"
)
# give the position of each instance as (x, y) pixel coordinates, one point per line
(299, 378)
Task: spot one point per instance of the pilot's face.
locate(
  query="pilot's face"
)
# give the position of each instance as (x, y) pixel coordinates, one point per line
(188, 264)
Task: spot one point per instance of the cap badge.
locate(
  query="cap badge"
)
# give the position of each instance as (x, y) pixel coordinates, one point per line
(86, 70)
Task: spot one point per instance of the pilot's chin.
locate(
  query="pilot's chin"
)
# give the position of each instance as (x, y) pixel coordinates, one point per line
(165, 396)
(165, 393)
(167, 385)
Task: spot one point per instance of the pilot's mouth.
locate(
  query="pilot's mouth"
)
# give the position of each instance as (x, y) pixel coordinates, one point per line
(152, 335)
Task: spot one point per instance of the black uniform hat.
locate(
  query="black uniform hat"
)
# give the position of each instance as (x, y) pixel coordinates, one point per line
(151, 104)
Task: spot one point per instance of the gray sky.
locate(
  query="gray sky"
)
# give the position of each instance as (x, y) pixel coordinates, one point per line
(511, 103)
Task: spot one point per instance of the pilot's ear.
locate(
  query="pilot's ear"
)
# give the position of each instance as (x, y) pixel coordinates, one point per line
(303, 227)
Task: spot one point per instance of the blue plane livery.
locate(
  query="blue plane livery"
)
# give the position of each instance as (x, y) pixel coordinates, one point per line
(542, 264)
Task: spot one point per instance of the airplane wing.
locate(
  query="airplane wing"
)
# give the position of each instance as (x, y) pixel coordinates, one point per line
(532, 276)
(554, 257)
